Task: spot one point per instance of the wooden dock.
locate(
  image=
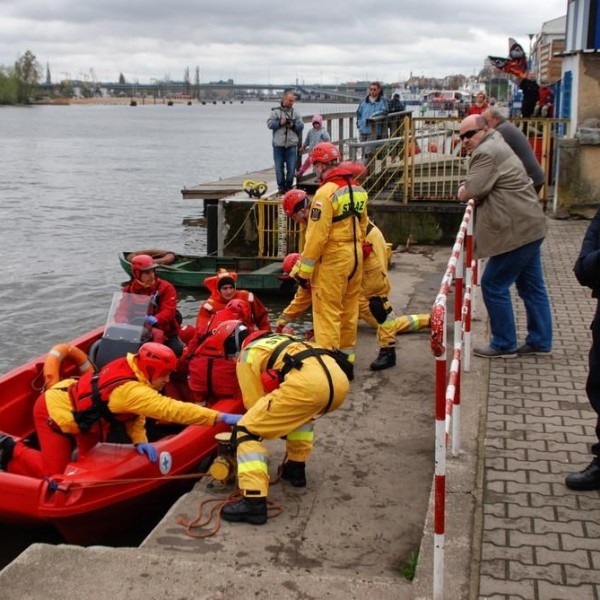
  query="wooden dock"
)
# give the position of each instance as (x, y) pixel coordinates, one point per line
(231, 186)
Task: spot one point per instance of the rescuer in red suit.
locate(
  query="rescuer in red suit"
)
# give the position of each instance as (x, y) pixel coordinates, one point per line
(161, 316)
(211, 378)
(222, 287)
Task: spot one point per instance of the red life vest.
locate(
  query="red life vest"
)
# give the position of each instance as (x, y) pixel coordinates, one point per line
(89, 395)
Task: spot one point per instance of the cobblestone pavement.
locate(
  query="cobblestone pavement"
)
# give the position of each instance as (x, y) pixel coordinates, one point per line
(541, 540)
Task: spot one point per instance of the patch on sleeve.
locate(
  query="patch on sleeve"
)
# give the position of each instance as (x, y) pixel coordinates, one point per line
(315, 214)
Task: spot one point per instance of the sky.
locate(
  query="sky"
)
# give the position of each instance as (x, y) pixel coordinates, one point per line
(266, 42)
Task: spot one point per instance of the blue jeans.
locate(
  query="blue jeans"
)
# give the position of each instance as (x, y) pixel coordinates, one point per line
(285, 158)
(522, 266)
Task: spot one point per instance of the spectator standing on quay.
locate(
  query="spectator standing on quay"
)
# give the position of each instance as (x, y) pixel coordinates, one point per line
(479, 105)
(516, 139)
(314, 136)
(373, 105)
(396, 105)
(510, 227)
(530, 89)
(587, 271)
(287, 125)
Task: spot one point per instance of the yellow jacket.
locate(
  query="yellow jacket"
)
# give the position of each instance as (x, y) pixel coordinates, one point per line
(134, 397)
(327, 225)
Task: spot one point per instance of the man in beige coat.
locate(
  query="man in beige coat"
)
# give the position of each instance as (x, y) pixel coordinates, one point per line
(510, 227)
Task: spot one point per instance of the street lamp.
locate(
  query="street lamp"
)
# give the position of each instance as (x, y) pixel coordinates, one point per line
(530, 61)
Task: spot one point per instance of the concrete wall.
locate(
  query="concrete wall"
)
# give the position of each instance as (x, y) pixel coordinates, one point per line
(578, 185)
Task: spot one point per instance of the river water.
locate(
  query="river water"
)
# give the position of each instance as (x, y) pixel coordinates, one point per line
(80, 183)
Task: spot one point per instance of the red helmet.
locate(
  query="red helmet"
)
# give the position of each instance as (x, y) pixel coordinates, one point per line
(293, 201)
(186, 333)
(141, 263)
(155, 360)
(241, 309)
(226, 340)
(289, 261)
(325, 152)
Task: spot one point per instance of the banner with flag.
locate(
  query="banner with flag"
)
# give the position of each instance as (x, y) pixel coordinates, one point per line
(515, 63)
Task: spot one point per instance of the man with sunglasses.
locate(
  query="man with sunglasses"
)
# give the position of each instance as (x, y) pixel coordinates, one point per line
(510, 227)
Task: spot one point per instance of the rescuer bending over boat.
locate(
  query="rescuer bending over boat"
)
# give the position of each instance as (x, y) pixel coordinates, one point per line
(125, 390)
(286, 382)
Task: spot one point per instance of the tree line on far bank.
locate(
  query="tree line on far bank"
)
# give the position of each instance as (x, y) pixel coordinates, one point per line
(19, 83)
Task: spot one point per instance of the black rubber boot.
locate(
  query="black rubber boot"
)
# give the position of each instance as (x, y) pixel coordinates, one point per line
(294, 472)
(249, 510)
(385, 360)
(7, 446)
(588, 479)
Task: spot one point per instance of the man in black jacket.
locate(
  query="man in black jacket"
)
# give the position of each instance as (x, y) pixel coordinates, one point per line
(587, 271)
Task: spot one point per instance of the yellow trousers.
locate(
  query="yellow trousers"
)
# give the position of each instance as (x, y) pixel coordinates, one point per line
(335, 297)
(287, 411)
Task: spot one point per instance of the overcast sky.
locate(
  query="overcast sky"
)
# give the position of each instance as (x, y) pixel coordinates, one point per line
(266, 42)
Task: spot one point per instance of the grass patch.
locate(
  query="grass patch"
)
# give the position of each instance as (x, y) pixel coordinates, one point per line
(407, 570)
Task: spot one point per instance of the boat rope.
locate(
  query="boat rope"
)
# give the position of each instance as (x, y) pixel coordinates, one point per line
(200, 521)
(108, 482)
(38, 387)
(255, 189)
(251, 211)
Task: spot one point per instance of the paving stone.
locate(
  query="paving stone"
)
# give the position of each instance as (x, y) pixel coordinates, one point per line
(545, 556)
(575, 575)
(523, 524)
(519, 538)
(505, 589)
(571, 542)
(524, 554)
(541, 512)
(549, 591)
(515, 464)
(551, 572)
(545, 526)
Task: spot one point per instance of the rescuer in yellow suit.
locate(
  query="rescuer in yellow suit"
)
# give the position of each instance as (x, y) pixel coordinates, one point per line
(373, 304)
(285, 382)
(332, 257)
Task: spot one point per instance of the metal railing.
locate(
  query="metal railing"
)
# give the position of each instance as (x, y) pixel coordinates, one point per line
(422, 158)
(459, 274)
(413, 159)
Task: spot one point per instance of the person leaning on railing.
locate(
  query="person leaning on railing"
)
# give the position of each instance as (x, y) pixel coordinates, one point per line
(510, 227)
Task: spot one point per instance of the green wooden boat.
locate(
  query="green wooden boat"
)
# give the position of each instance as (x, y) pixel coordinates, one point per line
(261, 275)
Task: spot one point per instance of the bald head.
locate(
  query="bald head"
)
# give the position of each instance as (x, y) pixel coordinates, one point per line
(472, 122)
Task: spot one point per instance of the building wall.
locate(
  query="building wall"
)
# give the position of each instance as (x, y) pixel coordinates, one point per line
(589, 86)
(578, 187)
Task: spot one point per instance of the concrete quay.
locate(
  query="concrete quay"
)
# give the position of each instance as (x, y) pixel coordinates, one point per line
(513, 530)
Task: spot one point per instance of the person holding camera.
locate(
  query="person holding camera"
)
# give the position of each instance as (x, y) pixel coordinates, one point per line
(287, 125)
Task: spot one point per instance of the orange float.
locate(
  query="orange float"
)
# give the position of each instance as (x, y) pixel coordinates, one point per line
(54, 360)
